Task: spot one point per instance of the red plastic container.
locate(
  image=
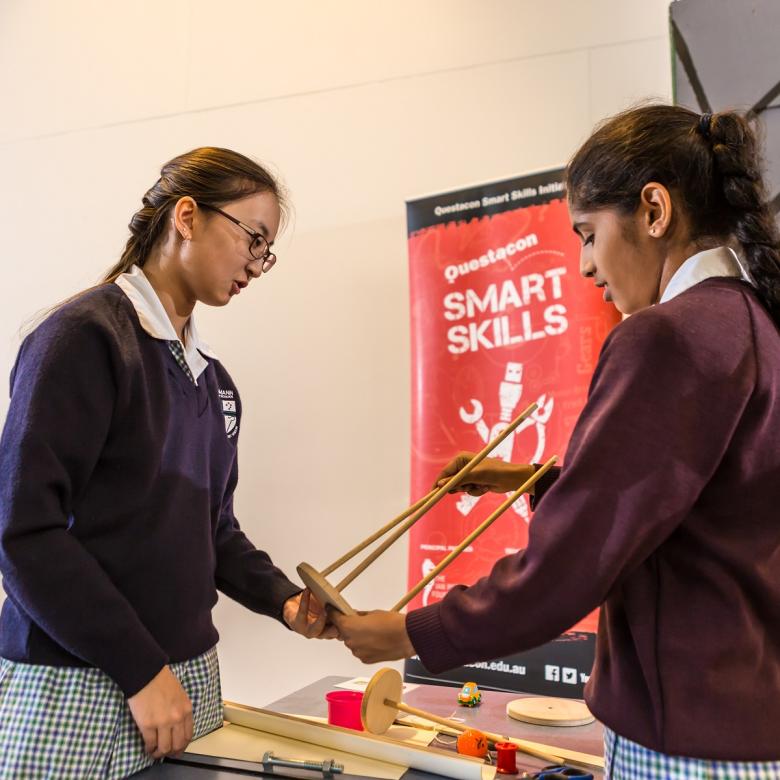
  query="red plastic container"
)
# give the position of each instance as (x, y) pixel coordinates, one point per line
(344, 709)
(506, 758)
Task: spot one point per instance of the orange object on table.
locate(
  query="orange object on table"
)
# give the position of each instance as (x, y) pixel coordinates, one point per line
(473, 743)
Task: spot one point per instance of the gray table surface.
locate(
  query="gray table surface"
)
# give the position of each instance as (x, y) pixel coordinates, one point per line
(442, 700)
(439, 700)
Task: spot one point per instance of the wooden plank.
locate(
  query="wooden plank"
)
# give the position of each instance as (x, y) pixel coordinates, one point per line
(238, 743)
(429, 759)
(588, 760)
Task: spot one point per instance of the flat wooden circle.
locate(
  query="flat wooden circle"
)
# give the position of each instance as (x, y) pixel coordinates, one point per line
(377, 717)
(548, 711)
(322, 589)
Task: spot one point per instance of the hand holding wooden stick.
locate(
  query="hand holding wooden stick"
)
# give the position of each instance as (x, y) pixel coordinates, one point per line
(328, 594)
(434, 499)
(480, 529)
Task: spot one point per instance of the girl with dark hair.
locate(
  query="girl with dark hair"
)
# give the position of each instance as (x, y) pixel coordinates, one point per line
(665, 513)
(117, 472)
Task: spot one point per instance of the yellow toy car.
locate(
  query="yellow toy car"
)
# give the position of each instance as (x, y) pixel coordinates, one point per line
(469, 695)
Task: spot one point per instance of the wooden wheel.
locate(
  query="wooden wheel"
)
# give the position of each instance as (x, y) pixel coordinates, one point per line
(322, 589)
(545, 711)
(382, 693)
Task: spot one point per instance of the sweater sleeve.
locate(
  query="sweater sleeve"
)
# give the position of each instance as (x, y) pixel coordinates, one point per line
(63, 395)
(543, 484)
(663, 405)
(245, 573)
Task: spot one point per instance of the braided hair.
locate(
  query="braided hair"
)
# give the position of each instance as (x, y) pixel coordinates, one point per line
(208, 175)
(710, 164)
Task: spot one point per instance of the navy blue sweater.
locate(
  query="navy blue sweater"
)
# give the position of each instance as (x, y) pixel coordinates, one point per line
(116, 500)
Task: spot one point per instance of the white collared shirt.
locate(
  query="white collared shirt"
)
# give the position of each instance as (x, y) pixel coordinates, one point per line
(721, 261)
(155, 321)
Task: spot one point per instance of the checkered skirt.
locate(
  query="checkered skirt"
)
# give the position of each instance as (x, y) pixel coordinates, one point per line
(72, 723)
(626, 760)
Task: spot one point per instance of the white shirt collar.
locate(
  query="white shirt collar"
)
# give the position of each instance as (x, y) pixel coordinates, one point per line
(155, 321)
(721, 261)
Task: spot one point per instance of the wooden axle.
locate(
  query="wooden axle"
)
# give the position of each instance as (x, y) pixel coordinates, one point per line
(478, 531)
(548, 757)
(376, 535)
(330, 595)
(434, 499)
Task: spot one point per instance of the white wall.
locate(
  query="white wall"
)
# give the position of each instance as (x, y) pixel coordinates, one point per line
(358, 105)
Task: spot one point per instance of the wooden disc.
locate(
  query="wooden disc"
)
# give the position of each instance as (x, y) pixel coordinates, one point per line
(547, 711)
(376, 715)
(322, 589)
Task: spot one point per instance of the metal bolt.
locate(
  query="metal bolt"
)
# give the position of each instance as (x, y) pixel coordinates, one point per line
(328, 768)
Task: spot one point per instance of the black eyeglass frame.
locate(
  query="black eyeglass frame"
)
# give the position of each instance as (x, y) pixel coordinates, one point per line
(267, 257)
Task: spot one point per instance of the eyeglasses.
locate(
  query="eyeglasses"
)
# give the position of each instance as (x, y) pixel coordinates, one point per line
(258, 246)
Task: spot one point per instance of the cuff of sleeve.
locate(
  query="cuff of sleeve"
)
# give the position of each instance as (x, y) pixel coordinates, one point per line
(139, 672)
(545, 482)
(286, 591)
(429, 639)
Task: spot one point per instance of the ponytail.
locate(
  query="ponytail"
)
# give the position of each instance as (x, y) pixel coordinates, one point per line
(737, 165)
(146, 226)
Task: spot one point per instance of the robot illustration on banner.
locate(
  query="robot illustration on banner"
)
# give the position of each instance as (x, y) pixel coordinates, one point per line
(509, 393)
(427, 567)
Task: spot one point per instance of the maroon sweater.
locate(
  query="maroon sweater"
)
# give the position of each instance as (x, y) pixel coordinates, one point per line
(666, 514)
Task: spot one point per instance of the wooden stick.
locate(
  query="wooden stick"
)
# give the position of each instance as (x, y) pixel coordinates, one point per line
(361, 743)
(381, 532)
(531, 751)
(415, 724)
(436, 497)
(474, 534)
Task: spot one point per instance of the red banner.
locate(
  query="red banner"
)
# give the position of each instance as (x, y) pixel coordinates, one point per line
(500, 318)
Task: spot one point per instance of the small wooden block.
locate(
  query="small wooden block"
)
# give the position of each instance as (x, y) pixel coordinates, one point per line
(548, 711)
(377, 717)
(322, 589)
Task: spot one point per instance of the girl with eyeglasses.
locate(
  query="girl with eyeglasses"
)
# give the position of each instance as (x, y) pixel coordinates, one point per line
(665, 512)
(118, 467)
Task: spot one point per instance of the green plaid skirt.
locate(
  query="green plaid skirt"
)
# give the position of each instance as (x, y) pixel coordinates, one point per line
(72, 723)
(626, 760)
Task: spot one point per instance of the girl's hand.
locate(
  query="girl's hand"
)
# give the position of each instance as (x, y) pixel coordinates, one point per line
(306, 616)
(491, 475)
(374, 636)
(163, 713)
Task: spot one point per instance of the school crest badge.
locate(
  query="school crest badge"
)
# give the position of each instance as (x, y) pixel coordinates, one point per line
(229, 412)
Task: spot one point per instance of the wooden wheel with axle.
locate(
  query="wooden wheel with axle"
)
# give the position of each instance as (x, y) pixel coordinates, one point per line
(382, 703)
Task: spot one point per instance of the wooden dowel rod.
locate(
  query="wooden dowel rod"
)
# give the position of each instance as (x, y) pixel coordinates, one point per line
(415, 724)
(474, 534)
(450, 724)
(435, 498)
(381, 532)
(531, 751)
